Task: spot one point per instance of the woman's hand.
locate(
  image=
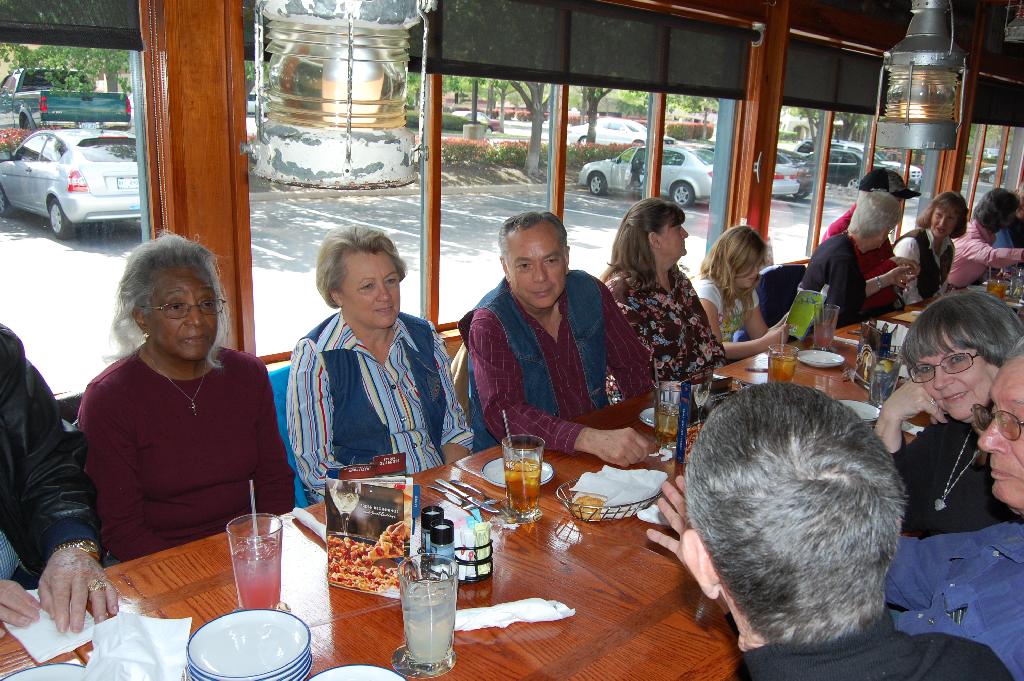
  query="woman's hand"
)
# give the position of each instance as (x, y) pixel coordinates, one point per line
(71, 580)
(898, 276)
(909, 400)
(673, 506)
(17, 607)
(915, 267)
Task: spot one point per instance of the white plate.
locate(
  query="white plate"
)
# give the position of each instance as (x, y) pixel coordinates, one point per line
(51, 672)
(494, 472)
(820, 358)
(294, 672)
(647, 416)
(867, 412)
(249, 643)
(356, 672)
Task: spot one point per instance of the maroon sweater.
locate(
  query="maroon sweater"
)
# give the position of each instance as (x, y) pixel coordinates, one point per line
(164, 476)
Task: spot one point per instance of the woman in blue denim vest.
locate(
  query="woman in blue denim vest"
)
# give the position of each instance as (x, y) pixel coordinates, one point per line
(369, 379)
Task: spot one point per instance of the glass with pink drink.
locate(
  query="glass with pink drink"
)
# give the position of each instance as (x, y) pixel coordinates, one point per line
(255, 542)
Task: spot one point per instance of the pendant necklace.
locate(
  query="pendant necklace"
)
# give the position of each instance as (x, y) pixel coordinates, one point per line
(940, 502)
(192, 400)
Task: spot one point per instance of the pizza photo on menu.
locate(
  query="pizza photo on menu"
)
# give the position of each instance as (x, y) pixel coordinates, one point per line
(369, 531)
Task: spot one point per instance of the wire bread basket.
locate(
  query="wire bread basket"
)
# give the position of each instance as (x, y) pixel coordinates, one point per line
(591, 508)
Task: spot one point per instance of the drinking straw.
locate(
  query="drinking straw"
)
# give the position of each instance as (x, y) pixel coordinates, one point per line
(504, 417)
(252, 505)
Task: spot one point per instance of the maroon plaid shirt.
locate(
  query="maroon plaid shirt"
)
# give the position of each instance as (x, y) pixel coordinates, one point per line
(499, 379)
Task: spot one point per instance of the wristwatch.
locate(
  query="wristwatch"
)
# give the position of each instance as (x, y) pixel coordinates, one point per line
(87, 545)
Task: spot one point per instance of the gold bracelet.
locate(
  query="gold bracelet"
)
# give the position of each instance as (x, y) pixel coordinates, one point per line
(87, 545)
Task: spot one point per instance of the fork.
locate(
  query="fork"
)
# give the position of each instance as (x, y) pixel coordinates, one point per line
(475, 490)
(462, 502)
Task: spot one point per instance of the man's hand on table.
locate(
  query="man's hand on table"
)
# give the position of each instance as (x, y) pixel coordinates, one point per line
(673, 506)
(621, 447)
(71, 580)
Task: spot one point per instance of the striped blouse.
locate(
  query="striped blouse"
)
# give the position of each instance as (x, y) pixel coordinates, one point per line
(391, 390)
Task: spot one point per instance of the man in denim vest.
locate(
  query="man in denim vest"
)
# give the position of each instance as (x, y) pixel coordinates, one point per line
(542, 343)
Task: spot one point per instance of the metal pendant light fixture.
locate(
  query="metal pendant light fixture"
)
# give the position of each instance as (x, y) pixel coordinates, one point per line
(1014, 22)
(330, 112)
(922, 76)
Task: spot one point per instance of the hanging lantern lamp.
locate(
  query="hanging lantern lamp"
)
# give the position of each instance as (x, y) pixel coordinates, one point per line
(922, 76)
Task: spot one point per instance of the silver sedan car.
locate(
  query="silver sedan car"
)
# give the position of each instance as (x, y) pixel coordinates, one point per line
(685, 173)
(72, 177)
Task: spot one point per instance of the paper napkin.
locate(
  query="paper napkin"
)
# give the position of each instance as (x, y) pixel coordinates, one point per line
(652, 514)
(504, 614)
(42, 640)
(307, 519)
(133, 647)
(620, 486)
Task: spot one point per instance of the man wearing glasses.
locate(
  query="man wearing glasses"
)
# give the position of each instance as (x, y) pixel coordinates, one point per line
(972, 584)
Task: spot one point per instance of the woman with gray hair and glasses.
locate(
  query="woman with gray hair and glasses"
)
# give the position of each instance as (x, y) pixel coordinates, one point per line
(835, 261)
(952, 353)
(178, 425)
(369, 379)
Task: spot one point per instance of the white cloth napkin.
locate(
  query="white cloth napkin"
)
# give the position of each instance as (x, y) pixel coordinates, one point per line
(504, 614)
(133, 647)
(307, 519)
(42, 640)
(620, 486)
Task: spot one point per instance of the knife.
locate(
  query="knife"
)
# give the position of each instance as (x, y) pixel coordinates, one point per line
(489, 507)
(461, 502)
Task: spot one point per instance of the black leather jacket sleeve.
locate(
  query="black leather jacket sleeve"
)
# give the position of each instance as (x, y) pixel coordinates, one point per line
(45, 495)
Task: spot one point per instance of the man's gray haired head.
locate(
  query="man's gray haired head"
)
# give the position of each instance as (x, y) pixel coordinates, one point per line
(799, 506)
(524, 221)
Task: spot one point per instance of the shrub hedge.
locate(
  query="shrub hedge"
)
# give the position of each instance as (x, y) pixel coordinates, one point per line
(690, 131)
(461, 152)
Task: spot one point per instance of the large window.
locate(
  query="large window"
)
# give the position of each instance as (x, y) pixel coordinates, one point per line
(288, 225)
(72, 199)
(488, 172)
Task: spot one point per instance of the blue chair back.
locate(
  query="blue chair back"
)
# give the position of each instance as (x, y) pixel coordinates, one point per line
(279, 384)
(776, 292)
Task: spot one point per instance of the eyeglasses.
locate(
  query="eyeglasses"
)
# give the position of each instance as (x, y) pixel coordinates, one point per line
(1008, 425)
(951, 364)
(181, 310)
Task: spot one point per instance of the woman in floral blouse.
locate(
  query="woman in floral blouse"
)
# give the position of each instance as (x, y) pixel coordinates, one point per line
(728, 277)
(656, 297)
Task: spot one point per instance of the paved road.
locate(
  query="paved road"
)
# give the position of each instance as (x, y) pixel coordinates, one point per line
(56, 290)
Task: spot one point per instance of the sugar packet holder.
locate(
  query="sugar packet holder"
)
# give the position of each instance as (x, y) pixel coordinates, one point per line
(475, 556)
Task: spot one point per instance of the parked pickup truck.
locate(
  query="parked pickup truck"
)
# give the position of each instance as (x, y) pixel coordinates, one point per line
(28, 100)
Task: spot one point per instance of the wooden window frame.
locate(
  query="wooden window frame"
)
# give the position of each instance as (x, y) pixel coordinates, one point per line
(195, 126)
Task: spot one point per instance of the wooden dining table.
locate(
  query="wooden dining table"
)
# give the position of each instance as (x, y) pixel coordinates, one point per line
(639, 613)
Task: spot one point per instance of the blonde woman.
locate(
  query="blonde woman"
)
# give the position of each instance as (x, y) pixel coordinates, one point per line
(728, 277)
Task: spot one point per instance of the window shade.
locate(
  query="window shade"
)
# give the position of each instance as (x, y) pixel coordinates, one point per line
(998, 104)
(829, 78)
(576, 42)
(110, 24)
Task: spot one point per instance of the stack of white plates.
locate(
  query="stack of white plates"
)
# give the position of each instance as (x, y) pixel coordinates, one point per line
(251, 645)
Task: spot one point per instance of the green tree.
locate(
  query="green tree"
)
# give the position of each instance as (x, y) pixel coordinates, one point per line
(535, 98)
(72, 68)
(591, 98)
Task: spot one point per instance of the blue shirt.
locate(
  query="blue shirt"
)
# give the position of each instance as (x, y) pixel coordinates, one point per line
(969, 584)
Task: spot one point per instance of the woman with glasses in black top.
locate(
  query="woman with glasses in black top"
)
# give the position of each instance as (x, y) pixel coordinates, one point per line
(952, 353)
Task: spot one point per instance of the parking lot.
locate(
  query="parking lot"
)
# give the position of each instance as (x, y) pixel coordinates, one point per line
(58, 295)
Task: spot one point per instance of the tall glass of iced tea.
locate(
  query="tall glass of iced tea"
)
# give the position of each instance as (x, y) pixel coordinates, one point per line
(523, 457)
